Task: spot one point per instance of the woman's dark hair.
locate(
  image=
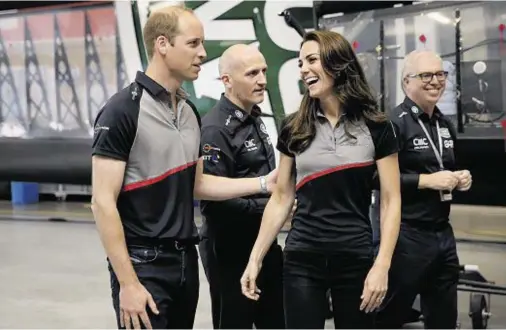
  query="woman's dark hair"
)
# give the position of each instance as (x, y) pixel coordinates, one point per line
(350, 86)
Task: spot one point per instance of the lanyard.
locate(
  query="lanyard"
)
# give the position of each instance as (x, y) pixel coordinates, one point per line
(438, 153)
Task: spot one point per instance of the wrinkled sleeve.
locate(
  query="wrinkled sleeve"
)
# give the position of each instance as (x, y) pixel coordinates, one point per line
(114, 131)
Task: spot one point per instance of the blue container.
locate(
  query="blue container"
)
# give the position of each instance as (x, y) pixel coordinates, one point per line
(23, 193)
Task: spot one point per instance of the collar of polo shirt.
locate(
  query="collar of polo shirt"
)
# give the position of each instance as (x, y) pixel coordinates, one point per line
(237, 112)
(416, 112)
(157, 90)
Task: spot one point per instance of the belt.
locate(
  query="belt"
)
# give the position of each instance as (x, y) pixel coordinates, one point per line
(163, 243)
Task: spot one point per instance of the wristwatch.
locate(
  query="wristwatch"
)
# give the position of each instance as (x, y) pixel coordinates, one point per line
(263, 184)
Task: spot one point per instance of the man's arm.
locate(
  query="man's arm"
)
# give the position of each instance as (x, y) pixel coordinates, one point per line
(107, 180)
(463, 175)
(249, 206)
(115, 130)
(218, 160)
(210, 187)
(414, 181)
(441, 180)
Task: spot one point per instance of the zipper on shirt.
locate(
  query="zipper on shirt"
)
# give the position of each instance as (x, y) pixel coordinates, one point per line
(174, 115)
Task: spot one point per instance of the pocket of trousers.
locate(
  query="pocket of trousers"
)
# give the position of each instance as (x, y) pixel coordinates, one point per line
(140, 255)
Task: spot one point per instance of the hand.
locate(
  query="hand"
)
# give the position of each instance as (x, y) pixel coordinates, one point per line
(465, 180)
(271, 179)
(444, 180)
(132, 303)
(248, 280)
(375, 288)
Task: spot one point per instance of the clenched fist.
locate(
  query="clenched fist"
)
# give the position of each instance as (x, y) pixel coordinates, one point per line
(444, 180)
(465, 180)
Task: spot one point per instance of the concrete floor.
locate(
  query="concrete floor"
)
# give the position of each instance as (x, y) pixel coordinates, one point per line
(54, 275)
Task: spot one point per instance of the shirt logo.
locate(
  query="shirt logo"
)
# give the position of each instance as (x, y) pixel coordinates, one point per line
(420, 143)
(263, 128)
(134, 94)
(98, 128)
(448, 144)
(445, 132)
(208, 148)
(239, 114)
(250, 145)
(414, 109)
(214, 156)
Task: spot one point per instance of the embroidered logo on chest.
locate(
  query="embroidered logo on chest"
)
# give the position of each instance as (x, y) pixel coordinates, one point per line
(250, 145)
(263, 128)
(445, 132)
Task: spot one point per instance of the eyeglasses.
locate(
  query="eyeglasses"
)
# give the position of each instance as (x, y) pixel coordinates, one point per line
(426, 77)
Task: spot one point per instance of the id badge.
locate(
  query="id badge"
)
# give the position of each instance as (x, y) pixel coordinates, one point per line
(446, 196)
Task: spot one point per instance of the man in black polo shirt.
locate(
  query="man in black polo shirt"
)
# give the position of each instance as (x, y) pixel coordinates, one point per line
(146, 172)
(425, 261)
(235, 144)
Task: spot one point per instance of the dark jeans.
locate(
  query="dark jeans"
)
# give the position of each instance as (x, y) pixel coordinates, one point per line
(425, 262)
(171, 275)
(308, 276)
(230, 308)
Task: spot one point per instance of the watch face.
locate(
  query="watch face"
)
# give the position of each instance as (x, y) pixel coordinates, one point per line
(263, 184)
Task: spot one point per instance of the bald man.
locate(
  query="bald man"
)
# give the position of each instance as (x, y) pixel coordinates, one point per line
(425, 260)
(235, 144)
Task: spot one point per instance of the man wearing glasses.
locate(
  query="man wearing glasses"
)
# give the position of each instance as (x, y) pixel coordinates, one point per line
(425, 260)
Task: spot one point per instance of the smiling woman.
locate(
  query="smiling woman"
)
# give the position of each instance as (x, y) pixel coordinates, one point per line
(335, 142)
(328, 63)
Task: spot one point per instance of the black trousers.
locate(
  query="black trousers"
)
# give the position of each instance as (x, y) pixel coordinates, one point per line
(171, 275)
(230, 308)
(425, 262)
(308, 276)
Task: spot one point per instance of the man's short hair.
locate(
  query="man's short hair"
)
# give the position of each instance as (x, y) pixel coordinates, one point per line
(411, 62)
(163, 22)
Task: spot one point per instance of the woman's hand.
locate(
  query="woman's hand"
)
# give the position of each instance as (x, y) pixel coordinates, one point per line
(248, 280)
(375, 288)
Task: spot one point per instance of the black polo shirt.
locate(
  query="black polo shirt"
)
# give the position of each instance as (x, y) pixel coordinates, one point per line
(235, 144)
(416, 156)
(334, 181)
(137, 125)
